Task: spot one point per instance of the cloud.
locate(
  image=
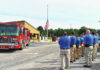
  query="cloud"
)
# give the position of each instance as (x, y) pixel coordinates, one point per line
(53, 24)
(77, 3)
(62, 13)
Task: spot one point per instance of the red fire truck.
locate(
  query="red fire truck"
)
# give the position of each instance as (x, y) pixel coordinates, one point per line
(13, 36)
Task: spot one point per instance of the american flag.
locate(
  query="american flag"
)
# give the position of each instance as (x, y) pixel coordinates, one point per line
(47, 25)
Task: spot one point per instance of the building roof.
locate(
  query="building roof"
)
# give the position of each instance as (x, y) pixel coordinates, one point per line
(23, 21)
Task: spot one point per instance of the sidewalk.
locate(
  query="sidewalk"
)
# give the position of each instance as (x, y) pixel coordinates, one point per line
(78, 65)
(54, 64)
(44, 41)
(48, 59)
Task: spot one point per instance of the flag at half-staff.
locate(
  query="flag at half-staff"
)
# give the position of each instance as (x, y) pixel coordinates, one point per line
(47, 25)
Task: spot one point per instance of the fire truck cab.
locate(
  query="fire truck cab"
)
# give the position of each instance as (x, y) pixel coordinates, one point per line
(14, 36)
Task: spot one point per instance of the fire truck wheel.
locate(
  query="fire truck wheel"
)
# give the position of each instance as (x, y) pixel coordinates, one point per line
(27, 44)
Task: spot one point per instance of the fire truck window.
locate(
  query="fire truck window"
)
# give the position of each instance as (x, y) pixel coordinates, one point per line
(12, 30)
(2, 30)
(9, 30)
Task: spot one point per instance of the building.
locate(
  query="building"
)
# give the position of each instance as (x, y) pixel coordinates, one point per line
(35, 34)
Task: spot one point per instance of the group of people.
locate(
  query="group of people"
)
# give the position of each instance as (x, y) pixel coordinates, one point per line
(72, 48)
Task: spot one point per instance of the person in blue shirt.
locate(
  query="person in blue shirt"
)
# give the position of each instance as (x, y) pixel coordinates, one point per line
(95, 45)
(82, 45)
(64, 43)
(78, 47)
(78, 42)
(99, 38)
(73, 47)
(88, 48)
(98, 41)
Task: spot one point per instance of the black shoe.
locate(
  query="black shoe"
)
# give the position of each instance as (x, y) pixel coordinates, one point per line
(71, 61)
(61, 69)
(77, 58)
(74, 60)
(92, 59)
(87, 66)
(66, 67)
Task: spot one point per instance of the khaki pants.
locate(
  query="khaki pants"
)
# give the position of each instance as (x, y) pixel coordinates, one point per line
(88, 55)
(65, 58)
(83, 50)
(73, 53)
(94, 51)
(78, 50)
(98, 46)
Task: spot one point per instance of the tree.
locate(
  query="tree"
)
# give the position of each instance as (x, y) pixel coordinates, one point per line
(98, 31)
(92, 30)
(76, 32)
(40, 28)
(51, 32)
(82, 30)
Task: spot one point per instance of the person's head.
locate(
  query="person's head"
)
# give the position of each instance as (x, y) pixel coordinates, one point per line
(88, 31)
(64, 33)
(97, 34)
(93, 33)
(72, 33)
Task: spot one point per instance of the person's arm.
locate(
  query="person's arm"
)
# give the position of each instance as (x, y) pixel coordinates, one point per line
(84, 40)
(59, 41)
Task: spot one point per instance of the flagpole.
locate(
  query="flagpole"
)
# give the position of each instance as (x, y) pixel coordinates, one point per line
(47, 19)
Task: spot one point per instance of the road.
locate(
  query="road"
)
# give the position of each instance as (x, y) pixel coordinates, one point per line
(12, 60)
(39, 56)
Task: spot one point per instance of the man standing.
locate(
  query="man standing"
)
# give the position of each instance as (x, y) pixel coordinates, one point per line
(64, 43)
(82, 45)
(73, 47)
(88, 48)
(95, 45)
(78, 47)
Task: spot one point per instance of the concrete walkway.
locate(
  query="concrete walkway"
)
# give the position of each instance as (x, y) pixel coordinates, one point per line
(78, 65)
(55, 65)
(42, 58)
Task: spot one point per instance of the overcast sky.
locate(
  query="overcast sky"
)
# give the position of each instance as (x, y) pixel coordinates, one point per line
(62, 13)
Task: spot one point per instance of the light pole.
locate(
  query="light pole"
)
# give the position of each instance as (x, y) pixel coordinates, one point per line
(97, 26)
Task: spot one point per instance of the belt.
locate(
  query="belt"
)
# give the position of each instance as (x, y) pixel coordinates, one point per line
(64, 48)
(88, 45)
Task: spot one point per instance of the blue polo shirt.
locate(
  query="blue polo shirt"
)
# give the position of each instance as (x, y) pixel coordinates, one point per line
(73, 40)
(82, 40)
(64, 42)
(95, 39)
(88, 39)
(98, 38)
(78, 42)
